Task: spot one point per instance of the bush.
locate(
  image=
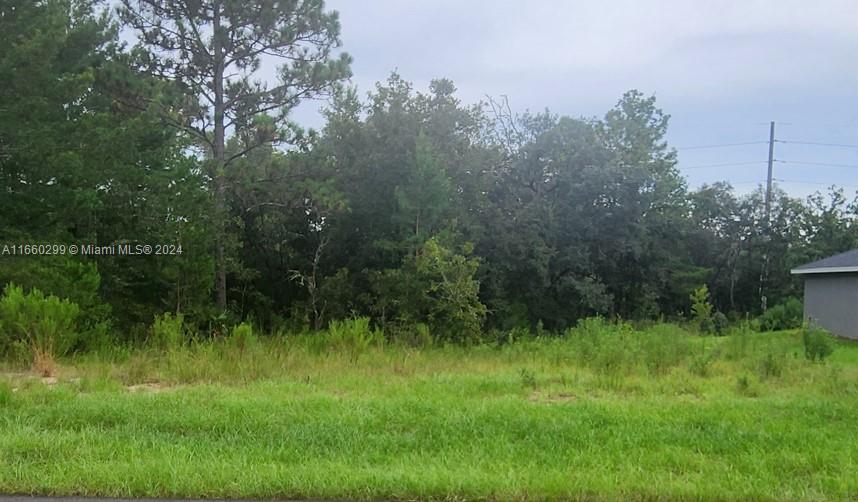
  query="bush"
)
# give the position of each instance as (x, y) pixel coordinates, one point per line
(701, 364)
(818, 343)
(242, 337)
(702, 309)
(168, 331)
(422, 335)
(353, 336)
(605, 347)
(787, 315)
(46, 324)
(436, 285)
(720, 323)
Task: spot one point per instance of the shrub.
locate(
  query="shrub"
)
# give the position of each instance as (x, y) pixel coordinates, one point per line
(77, 281)
(436, 285)
(701, 309)
(168, 331)
(353, 336)
(517, 334)
(701, 362)
(818, 343)
(242, 337)
(787, 315)
(422, 335)
(720, 323)
(46, 324)
(605, 347)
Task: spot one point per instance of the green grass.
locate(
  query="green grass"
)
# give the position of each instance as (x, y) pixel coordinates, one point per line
(607, 414)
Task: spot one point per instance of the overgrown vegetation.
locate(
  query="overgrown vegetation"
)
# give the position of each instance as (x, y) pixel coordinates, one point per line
(408, 207)
(603, 409)
(818, 343)
(787, 315)
(422, 300)
(44, 326)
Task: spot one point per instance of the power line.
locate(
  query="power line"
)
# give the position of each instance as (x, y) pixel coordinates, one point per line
(804, 182)
(826, 164)
(814, 143)
(721, 145)
(755, 182)
(726, 164)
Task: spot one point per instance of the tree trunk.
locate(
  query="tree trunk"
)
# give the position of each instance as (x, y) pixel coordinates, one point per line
(219, 165)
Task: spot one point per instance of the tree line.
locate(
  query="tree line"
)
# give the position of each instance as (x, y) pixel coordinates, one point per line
(408, 206)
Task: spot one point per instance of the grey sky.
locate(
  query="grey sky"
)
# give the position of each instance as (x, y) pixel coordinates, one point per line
(722, 69)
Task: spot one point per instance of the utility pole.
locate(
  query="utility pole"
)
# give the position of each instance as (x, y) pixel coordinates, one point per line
(769, 177)
(767, 225)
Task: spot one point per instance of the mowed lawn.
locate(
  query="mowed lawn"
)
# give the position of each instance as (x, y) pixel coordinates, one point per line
(530, 420)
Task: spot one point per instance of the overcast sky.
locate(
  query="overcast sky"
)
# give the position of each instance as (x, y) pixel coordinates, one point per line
(721, 69)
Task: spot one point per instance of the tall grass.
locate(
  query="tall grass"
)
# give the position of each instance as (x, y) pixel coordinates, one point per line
(601, 411)
(610, 352)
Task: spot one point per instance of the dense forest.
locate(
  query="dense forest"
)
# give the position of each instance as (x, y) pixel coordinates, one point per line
(407, 206)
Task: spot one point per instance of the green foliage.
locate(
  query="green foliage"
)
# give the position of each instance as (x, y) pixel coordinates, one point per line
(410, 207)
(787, 315)
(47, 324)
(615, 348)
(528, 379)
(818, 343)
(423, 198)
(664, 346)
(436, 286)
(168, 331)
(740, 343)
(720, 323)
(6, 395)
(771, 365)
(745, 386)
(353, 336)
(243, 337)
(518, 399)
(214, 84)
(701, 309)
(701, 363)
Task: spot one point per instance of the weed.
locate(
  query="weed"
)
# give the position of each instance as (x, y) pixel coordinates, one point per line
(44, 362)
(743, 385)
(701, 362)
(720, 323)
(663, 347)
(740, 343)
(168, 331)
(771, 365)
(528, 378)
(818, 343)
(243, 338)
(353, 336)
(517, 334)
(702, 309)
(6, 394)
(46, 324)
